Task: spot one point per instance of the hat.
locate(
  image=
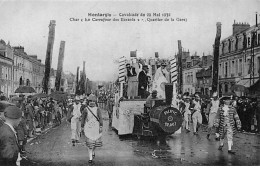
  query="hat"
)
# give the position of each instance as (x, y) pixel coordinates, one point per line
(13, 112)
(4, 105)
(92, 98)
(225, 98)
(163, 64)
(197, 95)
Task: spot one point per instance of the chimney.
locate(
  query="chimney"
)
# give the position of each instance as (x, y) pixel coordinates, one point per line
(19, 48)
(239, 27)
(156, 55)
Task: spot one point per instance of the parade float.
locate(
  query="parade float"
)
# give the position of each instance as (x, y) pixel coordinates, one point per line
(132, 116)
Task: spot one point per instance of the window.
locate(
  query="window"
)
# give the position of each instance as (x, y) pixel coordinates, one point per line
(233, 67)
(226, 88)
(236, 69)
(220, 70)
(240, 67)
(258, 71)
(258, 39)
(226, 69)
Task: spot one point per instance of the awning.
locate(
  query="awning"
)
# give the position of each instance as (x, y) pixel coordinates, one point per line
(245, 81)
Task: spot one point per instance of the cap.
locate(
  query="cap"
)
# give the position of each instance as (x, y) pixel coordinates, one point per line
(13, 112)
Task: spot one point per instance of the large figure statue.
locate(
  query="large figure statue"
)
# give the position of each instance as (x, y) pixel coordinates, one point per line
(160, 78)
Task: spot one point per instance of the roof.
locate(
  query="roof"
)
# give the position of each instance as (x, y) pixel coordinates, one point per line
(246, 30)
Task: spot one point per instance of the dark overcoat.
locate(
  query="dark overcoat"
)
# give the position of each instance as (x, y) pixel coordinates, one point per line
(9, 148)
(142, 83)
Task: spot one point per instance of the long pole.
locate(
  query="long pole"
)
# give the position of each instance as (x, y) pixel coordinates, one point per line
(180, 83)
(60, 65)
(216, 59)
(48, 59)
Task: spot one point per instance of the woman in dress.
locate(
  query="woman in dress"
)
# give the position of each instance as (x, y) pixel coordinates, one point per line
(92, 124)
(75, 123)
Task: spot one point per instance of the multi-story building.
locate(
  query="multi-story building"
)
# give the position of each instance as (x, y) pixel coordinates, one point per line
(191, 65)
(6, 68)
(28, 70)
(204, 81)
(235, 57)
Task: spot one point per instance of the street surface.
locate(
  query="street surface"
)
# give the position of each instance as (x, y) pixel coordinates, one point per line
(55, 148)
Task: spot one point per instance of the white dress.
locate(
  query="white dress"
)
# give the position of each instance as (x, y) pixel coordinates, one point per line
(75, 123)
(91, 129)
(159, 83)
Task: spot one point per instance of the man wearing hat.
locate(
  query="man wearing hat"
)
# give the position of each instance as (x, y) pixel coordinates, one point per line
(196, 117)
(9, 149)
(213, 109)
(226, 119)
(187, 112)
(29, 114)
(143, 81)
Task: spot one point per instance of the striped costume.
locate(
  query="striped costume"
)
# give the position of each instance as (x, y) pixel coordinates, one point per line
(223, 122)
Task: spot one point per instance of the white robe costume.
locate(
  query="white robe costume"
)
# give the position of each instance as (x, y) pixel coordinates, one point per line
(159, 82)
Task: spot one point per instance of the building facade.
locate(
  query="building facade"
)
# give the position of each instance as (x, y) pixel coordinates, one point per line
(6, 68)
(204, 81)
(236, 51)
(28, 70)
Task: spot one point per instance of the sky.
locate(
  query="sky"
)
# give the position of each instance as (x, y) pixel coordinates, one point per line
(25, 23)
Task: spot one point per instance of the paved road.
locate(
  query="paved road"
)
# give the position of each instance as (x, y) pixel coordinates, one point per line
(55, 148)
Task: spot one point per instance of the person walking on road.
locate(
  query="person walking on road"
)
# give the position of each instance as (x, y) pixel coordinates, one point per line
(9, 148)
(213, 109)
(92, 124)
(226, 119)
(187, 113)
(196, 117)
(75, 123)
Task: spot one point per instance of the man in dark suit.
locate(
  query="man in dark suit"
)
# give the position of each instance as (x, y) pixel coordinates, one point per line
(143, 81)
(9, 149)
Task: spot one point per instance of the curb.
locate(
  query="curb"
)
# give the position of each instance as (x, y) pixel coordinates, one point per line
(42, 132)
